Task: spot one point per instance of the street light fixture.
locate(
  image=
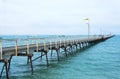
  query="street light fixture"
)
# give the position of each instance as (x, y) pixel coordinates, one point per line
(88, 23)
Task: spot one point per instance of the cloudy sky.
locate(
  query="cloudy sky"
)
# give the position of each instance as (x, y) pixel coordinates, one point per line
(44, 17)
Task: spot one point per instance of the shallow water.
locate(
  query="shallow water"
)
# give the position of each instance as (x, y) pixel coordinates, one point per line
(101, 61)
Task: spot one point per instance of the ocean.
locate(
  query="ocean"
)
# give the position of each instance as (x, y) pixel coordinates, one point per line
(100, 61)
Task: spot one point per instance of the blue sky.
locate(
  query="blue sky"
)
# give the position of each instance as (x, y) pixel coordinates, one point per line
(59, 17)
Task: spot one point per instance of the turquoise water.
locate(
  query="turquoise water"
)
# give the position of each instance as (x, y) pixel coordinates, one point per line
(101, 61)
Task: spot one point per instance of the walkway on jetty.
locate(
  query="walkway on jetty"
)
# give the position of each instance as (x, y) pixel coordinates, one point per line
(27, 47)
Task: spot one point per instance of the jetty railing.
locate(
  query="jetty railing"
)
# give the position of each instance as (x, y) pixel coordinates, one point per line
(15, 46)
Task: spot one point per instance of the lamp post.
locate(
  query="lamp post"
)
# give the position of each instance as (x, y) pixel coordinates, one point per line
(88, 24)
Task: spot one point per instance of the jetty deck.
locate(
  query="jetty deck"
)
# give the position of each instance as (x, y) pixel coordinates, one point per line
(42, 45)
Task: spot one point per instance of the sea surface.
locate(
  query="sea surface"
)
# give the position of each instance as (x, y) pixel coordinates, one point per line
(100, 61)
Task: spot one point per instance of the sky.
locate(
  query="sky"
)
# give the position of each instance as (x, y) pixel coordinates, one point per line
(59, 17)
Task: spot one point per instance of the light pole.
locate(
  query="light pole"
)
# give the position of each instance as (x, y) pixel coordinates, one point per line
(88, 23)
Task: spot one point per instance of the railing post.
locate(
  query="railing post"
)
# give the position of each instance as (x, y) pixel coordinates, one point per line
(16, 48)
(44, 44)
(60, 43)
(50, 45)
(56, 44)
(64, 42)
(1, 50)
(72, 41)
(37, 44)
(28, 50)
(69, 42)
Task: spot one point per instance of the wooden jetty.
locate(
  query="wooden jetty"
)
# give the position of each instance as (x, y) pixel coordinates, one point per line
(42, 45)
